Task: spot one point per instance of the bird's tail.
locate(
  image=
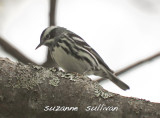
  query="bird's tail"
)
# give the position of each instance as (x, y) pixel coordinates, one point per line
(117, 81)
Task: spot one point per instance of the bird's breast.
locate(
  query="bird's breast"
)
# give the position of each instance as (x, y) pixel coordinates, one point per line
(68, 62)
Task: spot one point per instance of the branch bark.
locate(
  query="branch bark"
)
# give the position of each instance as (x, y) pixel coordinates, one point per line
(25, 91)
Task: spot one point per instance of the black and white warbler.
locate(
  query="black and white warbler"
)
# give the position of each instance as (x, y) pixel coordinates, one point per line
(73, 54)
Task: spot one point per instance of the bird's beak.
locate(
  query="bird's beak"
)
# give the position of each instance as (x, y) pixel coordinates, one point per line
(39, 45)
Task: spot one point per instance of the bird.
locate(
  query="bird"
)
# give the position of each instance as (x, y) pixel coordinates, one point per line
(73, 54)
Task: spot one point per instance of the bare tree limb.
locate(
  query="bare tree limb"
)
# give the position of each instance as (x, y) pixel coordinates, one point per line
(50, 62)
(22, 58)
(132, 66)
(52, 13)
(26, 90)
(138, 63)
(14, 52)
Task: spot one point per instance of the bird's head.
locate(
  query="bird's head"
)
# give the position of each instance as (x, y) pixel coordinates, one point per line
(49, 35)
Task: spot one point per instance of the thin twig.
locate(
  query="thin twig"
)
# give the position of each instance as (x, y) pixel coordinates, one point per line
(52, 12)
(138, 63)
(14, 52)
(50, 62)
(128, 68)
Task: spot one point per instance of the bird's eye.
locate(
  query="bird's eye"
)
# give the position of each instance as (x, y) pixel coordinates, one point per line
(47, 36)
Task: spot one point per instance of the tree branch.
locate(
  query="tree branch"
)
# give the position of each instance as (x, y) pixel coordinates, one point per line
(14, 52)
(52, 12)
(132, 66)
(26, 90)
(138, 63)
(50, 62)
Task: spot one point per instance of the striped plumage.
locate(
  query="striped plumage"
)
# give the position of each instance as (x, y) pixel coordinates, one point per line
(73, 54)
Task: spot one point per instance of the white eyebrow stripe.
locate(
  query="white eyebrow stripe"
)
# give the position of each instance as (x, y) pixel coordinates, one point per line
(48, 30)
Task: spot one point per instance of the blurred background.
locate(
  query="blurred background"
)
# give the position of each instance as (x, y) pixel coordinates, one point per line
(122, 32)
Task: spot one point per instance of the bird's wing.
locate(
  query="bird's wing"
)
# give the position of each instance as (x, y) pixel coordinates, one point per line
(100, 60)
(81, 42)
